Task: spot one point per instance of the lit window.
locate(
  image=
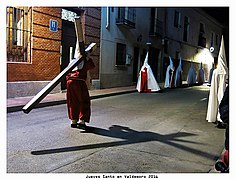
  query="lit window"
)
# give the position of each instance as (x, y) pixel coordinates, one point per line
(18, 34)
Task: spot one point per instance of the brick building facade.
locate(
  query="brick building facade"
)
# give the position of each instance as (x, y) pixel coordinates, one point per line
(92, 25)
(43, 63)
(32, 64)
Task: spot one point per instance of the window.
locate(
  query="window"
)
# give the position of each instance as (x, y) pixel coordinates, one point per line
(153, 17)
(201, 38)
(126, 16)
(177, 19)
(216, 41)
(202, 28)
(18, 34)
(212, 39)
(120, 54)
(156, 26)
(186, 28)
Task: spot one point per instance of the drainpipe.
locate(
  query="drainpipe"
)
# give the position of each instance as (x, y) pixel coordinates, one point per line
(108, 18)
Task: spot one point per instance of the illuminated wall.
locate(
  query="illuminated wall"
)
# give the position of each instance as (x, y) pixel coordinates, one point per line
(190, 50)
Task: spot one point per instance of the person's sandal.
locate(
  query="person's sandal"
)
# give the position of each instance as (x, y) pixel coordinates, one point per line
(74, 125)
(82, 126)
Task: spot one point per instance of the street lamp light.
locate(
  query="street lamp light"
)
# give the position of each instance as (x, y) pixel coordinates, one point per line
(212, 49)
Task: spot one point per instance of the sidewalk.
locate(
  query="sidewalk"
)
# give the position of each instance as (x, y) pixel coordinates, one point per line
(16, 104)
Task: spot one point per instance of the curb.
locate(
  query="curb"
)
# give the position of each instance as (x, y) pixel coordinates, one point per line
(63, 101)
(59, 102)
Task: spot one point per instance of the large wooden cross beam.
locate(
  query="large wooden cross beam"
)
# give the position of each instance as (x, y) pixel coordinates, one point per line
(49, 87)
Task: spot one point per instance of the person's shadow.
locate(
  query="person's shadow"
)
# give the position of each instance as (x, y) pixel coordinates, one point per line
(130, 136)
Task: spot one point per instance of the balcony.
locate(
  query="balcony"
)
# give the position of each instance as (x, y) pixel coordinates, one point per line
(126, 17)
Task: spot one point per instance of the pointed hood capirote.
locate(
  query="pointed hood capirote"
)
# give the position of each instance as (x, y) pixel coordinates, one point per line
(171, 64)
(169, 74)
(147, 78)
(222, 63)
(178, 74)
(146, 59)
(210, 73)
(76, 56)
(201, 75)
(191, 79)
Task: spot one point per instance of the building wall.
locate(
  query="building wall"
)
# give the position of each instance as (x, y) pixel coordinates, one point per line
(190, 51)
(45, 51)
(44, 54)
(112, 75)
(92, 29)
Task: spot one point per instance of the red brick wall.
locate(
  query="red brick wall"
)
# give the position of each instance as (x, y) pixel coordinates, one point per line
(92, 23)
(45, 53)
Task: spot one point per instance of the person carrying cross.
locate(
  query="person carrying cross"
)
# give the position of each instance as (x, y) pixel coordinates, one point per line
(78, 99)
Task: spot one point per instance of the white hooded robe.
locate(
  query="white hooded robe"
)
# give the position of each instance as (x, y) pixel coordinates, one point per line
(151, 81)
(201, 75)
(210, 74)
(218, 86)
(191, 79)
(178, 74)
(169, 74)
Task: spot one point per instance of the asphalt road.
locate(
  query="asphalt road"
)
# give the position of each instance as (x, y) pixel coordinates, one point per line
(131, 133)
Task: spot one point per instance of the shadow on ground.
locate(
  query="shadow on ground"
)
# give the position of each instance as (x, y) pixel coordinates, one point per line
(130, 136)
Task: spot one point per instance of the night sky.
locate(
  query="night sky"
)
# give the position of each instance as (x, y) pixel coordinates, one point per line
(219, 13)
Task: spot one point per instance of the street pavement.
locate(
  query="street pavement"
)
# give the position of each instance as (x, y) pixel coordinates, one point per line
(163, 132)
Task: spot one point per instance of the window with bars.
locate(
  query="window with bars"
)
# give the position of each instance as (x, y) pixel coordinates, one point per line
(156, 26)
(18, 34)
(126, 16)
(120, 54)
(177, 19)
(202, 38)
(216, 41)
(186, 28)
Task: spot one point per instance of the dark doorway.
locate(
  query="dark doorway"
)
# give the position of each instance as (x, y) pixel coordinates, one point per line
(153, 60)
(142, 57)
(68, 46)
(135, 65)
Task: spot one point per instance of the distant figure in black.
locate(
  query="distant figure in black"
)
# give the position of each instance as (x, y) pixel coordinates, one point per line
(224, 115)
(222, 165)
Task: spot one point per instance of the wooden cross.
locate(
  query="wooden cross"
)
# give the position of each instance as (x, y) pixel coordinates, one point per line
(49, 87)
